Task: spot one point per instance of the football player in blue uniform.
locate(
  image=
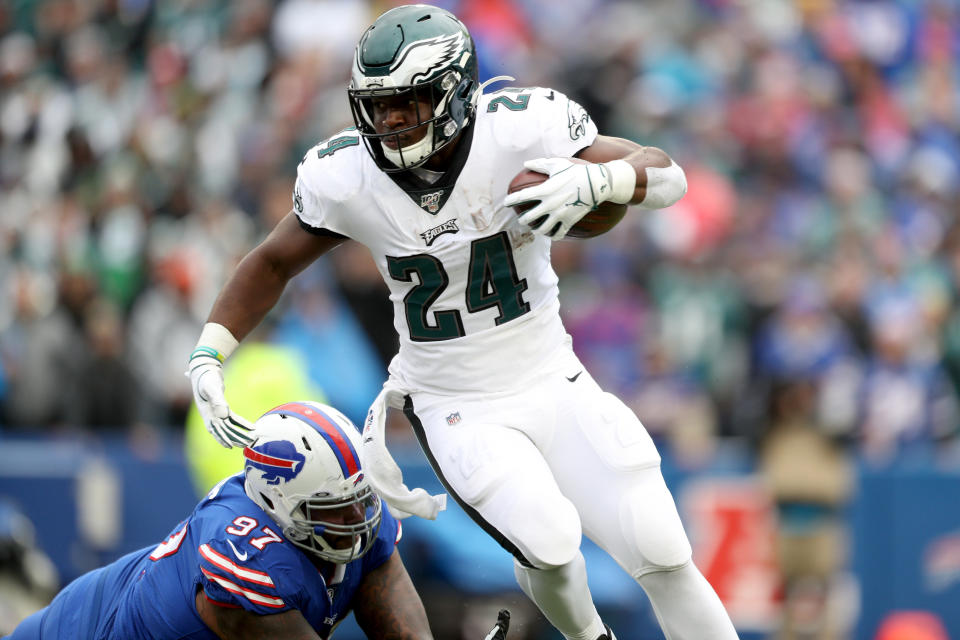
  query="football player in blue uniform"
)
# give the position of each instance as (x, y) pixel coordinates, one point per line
(517, 430)
(285, 549)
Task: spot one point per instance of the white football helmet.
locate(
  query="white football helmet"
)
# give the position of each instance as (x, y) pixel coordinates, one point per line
(304, 471)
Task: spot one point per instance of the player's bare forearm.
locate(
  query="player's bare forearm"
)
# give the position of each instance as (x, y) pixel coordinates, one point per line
(231, 623)
(387, 606)
(256, 284)
(607, 148)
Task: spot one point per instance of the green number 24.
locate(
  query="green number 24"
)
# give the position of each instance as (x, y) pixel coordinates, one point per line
(492, 281)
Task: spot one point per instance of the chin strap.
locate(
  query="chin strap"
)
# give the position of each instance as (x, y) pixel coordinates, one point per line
(479, 91)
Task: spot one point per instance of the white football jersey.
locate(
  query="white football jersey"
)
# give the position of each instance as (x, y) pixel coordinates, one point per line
(475, 296)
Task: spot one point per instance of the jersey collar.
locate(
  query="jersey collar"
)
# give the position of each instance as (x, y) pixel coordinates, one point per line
(432, 196)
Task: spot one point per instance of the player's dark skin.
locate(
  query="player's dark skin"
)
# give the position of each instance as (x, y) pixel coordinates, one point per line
(386, 606)
(256, 284)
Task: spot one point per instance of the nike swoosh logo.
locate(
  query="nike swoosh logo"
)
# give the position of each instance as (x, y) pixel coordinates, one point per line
(243, 556)
(574, 378)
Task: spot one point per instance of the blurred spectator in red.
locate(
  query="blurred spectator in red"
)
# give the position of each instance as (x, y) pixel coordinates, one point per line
(911, 625)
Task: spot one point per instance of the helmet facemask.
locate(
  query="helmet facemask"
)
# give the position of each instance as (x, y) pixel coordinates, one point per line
(439, 129)
(338, 529)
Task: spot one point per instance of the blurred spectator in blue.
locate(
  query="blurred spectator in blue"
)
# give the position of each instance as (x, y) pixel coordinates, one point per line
(607, 316)
(907, 405)
(319, 325)
(677, 410)
(803, 338)
(361, 287)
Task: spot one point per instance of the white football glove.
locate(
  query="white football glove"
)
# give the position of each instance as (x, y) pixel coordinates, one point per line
(571, 191)
(206, 380)
(499, 631)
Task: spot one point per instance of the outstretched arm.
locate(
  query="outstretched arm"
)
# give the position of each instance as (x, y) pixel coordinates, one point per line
(387, 606)
(249, 294)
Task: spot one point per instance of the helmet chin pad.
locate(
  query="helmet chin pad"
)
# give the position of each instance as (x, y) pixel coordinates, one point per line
(339, 556)
(412, 154)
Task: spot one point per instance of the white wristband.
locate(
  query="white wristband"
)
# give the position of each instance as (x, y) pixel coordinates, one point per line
(217, 337)
(665, 185)
(623, 181)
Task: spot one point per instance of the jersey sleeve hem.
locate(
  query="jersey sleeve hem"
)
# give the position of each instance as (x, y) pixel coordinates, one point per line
(219, 603)
(320, 231)
(586, 145)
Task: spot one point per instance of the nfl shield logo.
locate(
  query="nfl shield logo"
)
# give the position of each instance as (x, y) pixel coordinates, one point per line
(431, 201)
(453, 418)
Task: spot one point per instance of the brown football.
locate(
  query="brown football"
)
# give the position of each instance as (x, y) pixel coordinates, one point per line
(596, 222)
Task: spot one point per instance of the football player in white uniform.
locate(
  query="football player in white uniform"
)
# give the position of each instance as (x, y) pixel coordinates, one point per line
(515, 428)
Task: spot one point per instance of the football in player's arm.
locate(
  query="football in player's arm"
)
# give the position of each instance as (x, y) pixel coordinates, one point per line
(513, 425)
(284, 549)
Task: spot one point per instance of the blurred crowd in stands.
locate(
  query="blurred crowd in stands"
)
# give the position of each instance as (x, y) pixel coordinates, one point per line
(809, 276)
(802, 298)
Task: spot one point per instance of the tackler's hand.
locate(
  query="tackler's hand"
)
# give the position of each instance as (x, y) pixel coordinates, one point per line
(499, 631)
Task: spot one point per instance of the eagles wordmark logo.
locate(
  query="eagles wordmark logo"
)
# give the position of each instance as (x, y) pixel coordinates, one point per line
(450, 226)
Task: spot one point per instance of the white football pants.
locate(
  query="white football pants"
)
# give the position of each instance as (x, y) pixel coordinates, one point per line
(538, 467)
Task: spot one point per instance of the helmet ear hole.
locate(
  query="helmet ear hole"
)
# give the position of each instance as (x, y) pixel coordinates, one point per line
(267, 501)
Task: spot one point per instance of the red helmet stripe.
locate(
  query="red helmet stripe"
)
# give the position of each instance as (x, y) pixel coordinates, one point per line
(331, 432)
(256, 456)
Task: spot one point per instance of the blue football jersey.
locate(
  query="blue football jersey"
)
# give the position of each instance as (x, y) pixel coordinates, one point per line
(235, 553)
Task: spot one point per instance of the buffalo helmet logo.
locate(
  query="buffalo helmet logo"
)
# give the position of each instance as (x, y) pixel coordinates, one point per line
(277, 460)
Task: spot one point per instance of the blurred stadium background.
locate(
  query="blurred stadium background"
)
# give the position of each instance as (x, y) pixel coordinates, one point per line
(789, 332)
